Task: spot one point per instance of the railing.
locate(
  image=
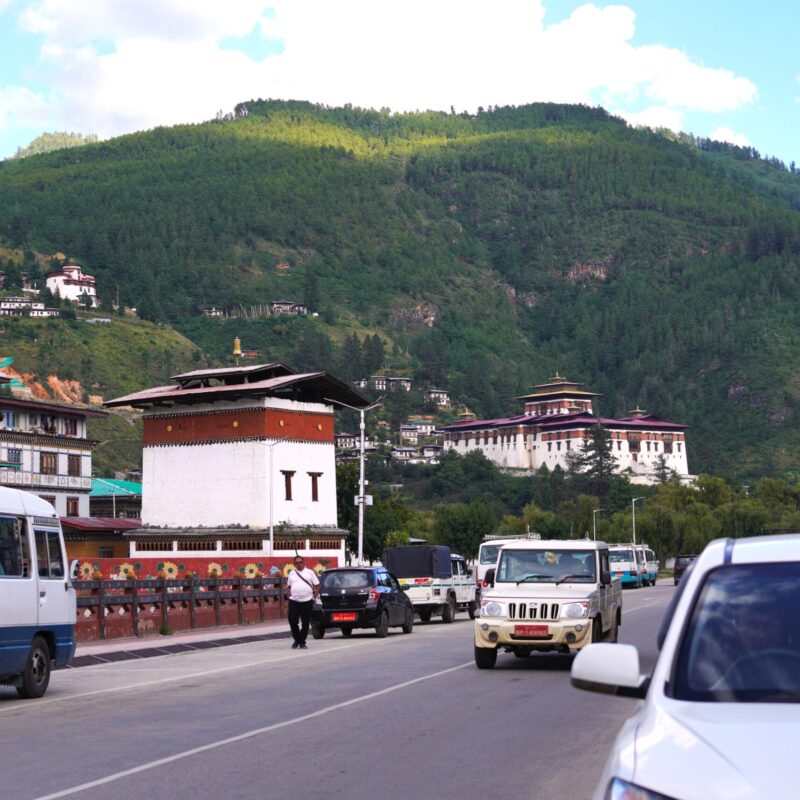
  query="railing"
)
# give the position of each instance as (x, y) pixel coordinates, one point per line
(116, 608)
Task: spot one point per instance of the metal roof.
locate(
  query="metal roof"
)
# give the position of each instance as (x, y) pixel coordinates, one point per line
(108, 487)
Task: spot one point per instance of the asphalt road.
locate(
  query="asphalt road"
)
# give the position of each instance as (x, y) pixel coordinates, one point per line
(405, 717)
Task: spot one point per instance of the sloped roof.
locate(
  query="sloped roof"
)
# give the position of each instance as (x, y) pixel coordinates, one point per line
(108, 487)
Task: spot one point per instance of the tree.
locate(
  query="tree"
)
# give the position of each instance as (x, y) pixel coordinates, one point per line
(592, 467)
(463, 527)
(346, 490)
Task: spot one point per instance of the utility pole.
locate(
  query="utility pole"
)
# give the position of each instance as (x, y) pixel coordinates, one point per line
(633, 515)
(361, 499)
(594, 522)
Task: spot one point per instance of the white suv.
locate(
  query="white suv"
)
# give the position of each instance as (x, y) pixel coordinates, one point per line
(722, 707)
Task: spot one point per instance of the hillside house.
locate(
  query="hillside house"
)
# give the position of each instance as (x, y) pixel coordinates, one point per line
(214, 312)
(438, 396)
(557, 417)
(288, 307)
(73, 284)
(26, 307)
(346, 441)
(383, 383)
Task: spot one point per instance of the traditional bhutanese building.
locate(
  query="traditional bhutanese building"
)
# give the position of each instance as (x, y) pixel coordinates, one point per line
(557, 417)
(231, 453)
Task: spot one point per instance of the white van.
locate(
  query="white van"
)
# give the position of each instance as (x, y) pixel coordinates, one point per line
(37, 601)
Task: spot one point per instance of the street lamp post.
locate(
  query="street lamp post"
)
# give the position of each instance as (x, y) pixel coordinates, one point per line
(594, 521)
(633, 515)
(361, 499)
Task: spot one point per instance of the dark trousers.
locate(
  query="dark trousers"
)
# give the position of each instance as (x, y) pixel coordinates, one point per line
(300, 613)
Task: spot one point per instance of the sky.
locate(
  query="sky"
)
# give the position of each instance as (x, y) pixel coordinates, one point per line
(724, 69)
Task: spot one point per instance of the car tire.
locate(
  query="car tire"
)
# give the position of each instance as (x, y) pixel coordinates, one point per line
(408, 625)
(425, 614)
(317, 630)
(449, 610)
(613, 633)
(36, 676)
(597, 630)
(347, 632)
(472, 609)
(382, 628)
(485, 657)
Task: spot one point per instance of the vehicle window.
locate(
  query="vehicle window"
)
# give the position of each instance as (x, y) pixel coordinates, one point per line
(383, 579)
(458, 567)
(546, 566)
(489, 553)
(604, 566)
(394, 584)
(742, 643)
(617, 556)
(49, 559)
(346, 579)
(14, 556)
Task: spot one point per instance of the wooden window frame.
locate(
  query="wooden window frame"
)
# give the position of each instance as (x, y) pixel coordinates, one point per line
(287, 483)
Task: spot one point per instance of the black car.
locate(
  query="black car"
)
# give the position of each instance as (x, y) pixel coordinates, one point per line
(360, 597)
(682, 563)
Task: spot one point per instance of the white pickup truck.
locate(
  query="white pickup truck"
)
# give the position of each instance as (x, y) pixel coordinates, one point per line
(547, 596)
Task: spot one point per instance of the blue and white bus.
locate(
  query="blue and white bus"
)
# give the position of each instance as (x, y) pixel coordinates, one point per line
(37, 601)
(628, 564)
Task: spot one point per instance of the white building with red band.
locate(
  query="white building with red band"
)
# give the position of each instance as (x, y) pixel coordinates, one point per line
(558, 417)
(231, 453)
(73, 284)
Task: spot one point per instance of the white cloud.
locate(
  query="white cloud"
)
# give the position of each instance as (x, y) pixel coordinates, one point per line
(725, 134)
(120, 65)
(654, 117)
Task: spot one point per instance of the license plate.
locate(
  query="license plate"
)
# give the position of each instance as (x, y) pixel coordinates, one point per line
(349, 616)
(532, 631)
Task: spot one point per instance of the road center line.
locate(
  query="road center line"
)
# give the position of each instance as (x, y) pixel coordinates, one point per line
(247, 735)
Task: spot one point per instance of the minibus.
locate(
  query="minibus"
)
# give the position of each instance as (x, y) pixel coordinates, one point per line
(37, 601)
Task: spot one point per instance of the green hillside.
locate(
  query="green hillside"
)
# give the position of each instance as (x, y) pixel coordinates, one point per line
(487, 251)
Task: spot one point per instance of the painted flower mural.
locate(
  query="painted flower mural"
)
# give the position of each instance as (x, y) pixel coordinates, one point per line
(126, 571)
(215, 570)
(86, 570)
(168, 570)
(250, 571)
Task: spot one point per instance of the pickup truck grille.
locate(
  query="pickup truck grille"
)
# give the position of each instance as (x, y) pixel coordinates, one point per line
(533, 611)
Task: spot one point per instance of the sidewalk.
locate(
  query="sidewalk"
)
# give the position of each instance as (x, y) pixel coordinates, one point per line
(130, 648)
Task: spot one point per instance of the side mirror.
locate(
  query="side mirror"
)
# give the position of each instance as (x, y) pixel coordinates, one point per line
(609, 669)
(489, 577)
(469, 572)
(605, 577)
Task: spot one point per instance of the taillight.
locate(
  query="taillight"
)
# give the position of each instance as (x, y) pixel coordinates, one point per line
(484, 584)
(374, 594)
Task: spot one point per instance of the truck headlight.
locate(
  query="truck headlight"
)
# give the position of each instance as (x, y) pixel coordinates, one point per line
(491, 608)
(575, 610)
(622, 790)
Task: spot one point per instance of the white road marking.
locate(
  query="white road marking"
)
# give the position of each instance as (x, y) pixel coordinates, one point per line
(247, 735)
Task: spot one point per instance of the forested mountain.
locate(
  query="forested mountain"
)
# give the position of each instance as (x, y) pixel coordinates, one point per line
(487, 251)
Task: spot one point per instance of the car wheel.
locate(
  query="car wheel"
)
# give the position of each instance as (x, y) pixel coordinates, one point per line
(347, 632)
(37, 671)
(425, 614)
(485, 657)
(382, 628)
(449, 610)
(317, 630)
(472, 609)
(408, 625)
(597, 630)
(613, 633)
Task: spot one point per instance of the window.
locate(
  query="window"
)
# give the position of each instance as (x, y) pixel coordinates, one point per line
(49, 559)
(14, 456)
(549, 446)
(72, 507)
(287, 482)
(315, 476)
(14, 557)
(48, 463)
(106, 552)
(74, 466)
(71, 426)
(10, 419)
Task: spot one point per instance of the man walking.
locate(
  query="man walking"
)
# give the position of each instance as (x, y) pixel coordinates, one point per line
(303, 588)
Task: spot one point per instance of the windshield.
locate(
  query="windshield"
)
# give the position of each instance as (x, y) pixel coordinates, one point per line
(743, 639)
(546, 566)
(346, 579)
(489, 553)
(616, 556)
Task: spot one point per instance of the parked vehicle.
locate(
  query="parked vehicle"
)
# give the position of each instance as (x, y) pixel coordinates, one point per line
(628, 564)
(436, 580)
(682, 563)
(547, 595)
(651, 565)
(724, 696)
(360, 597)
(37, 601)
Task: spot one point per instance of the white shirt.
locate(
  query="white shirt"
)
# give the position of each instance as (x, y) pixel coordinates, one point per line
(299, 590)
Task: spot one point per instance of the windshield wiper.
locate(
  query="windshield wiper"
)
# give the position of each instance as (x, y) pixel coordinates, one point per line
(567, 577)
(534, 575)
